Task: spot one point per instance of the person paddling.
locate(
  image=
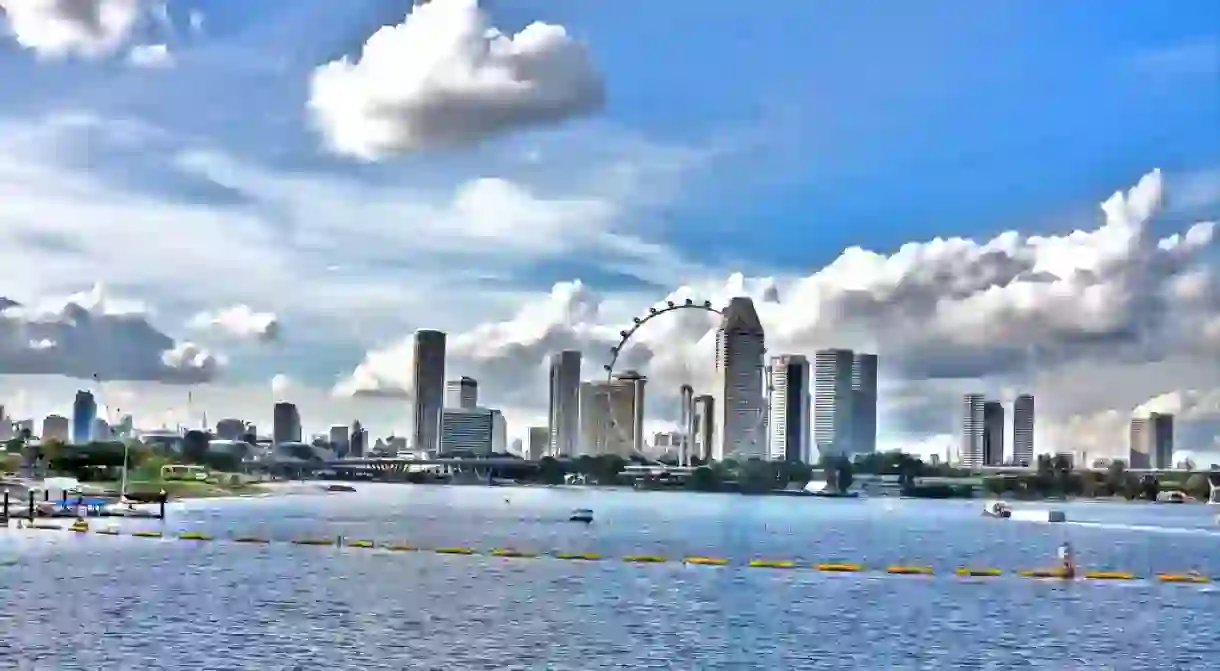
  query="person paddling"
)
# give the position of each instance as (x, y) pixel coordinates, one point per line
(1067, 559)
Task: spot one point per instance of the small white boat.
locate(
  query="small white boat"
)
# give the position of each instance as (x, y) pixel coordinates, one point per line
(127, 508)
(998, 509)
(581, 515)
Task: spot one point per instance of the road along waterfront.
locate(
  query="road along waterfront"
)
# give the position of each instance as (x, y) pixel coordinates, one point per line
(278, 604)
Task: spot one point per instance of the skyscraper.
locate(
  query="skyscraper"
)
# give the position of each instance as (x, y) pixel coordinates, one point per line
(1151, 441)
(832, 401)
(564, 414)
(285, 423)
(790, 406)
(84, 411)
(462, 393)
(499, 432)
(428, 379)
(704, 427)
(539, 442)
(864, 403)
(359, 440)
(971, 452)
(1023, 430)
(740, 406)
(1162, 440)
(340, 437)
(612, 415)
(686, 396)
(993, 433)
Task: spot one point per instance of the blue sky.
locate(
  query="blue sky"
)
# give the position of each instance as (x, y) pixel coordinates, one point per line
(762, 138)
(870, 123)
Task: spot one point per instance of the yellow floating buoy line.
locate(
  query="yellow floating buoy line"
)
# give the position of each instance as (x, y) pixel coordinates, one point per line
(1190, 577)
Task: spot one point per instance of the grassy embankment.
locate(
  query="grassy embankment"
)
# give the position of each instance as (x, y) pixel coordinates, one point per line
(184, 489)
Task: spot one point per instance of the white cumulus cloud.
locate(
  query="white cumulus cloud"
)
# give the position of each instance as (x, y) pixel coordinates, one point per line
(281, 385)
(90, 334)
(84, 28)
(240, 322)
(151, 56)
(446, 77)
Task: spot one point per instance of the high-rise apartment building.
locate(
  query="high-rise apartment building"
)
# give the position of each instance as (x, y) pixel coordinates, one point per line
(1151, 441)
(993, 433)
(1162, 440)
(1023, 430)
(339, 436)
(832, 402)
(864, 403)
(686, 400)
(428, 379)
(84, 411)
(285, 423)
(563, 417)
(740, 405)
(539, 441)
(704, 427)
(971, 451)
(359, 440)
(790, 421)
(462, 393)
(594, 419)
(100, 430)
(499, 432)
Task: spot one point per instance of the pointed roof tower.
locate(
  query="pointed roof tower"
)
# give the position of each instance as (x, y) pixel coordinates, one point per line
(741, 317)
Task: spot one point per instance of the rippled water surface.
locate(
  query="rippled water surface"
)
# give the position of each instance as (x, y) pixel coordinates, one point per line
(98, 602)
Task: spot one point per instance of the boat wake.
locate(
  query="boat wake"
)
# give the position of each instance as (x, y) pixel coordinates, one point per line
(1034, 516)
(1148, 528)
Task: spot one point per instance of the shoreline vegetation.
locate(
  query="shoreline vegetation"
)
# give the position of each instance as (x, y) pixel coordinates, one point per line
(100, 464)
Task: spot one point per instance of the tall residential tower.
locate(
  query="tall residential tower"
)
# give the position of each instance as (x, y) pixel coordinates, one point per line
(832, 402)
(1023, 430)
(564, 414)
(864, 403)
(973, 428)
(790, 408)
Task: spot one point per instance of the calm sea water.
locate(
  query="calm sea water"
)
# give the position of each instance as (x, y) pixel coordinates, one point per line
(96, 602)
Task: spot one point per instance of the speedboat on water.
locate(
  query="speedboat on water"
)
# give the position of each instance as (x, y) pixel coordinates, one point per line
(998, 509)
(581, 515)
(340, 488)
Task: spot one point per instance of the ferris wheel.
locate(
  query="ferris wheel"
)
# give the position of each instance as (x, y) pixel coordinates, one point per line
(622, 431)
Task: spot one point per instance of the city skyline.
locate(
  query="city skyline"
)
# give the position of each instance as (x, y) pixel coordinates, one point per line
(282, 239)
